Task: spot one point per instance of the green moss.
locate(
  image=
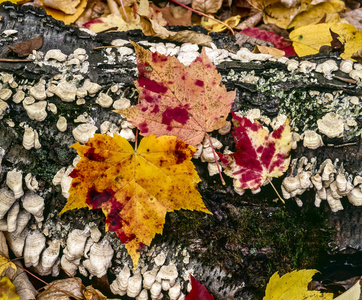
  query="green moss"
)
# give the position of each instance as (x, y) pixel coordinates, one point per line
(253, 242)
(42, 167)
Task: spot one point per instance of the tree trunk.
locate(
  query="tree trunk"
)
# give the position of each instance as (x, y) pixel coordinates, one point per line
(249, 237)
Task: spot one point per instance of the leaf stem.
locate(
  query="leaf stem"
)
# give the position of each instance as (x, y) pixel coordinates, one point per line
(124, 10)
(15, 60)
(136, 142)
(205, 15)
(216, 160)
(281, 199)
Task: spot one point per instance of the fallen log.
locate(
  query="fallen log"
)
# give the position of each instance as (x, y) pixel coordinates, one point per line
(249, 237)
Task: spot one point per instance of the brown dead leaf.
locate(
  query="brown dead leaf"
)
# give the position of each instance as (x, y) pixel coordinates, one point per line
(151, 28)
(69, 286)
(90, 293)
(336, 43)
(175, 15)
(242, 38)
(207, 6)
(23, 49)
(358, 56)
(269, 50)
(178, 11)
(94, 10)
(354, 18)
(277, 30)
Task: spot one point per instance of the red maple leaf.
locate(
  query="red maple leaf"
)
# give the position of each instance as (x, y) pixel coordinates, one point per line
(259, 155)
(198, 291)
(186, 102)
(270, 36)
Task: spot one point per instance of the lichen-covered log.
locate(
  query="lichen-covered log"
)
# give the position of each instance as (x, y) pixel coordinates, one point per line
(67, 92)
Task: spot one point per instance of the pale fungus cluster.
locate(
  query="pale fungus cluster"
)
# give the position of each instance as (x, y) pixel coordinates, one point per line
(149, 284)
(329, 182)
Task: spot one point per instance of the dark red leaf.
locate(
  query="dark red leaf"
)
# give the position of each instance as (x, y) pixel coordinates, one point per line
(198, 291)
(269, 36)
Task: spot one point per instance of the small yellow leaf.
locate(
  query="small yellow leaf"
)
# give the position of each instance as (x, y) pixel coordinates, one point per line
(66, 6)
(62, 16)
(294, 286)
(329, 9)
(279, 15)
(302, 15)
(352, 45)
(214, 26)
(12, 1)
(8, 290)
(5, 263)
(307, 40)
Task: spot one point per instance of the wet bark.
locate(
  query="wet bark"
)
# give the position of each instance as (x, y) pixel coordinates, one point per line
(241, 238)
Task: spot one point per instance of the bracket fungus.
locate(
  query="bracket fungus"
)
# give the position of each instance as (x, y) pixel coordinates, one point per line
(35, 110)
(82, 133)
(331, 125)
(312, 140)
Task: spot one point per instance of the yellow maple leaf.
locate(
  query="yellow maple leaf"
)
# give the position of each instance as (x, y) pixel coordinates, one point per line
(293, 285)
(214, 26)
(5, 263)
(135, 188)
(307, 40)
(66, 11)
(8, 290)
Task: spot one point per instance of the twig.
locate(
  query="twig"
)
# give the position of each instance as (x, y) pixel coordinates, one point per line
(281, 199)
(343, 145)
(251, 21)
(205, 15)
(124, 10)
(108, 29)
(349, 80)
(15, 60)
(102, 47)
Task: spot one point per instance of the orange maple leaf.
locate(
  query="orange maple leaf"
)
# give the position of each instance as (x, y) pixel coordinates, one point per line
(259, 155)
(176, 100)
(135, 188)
